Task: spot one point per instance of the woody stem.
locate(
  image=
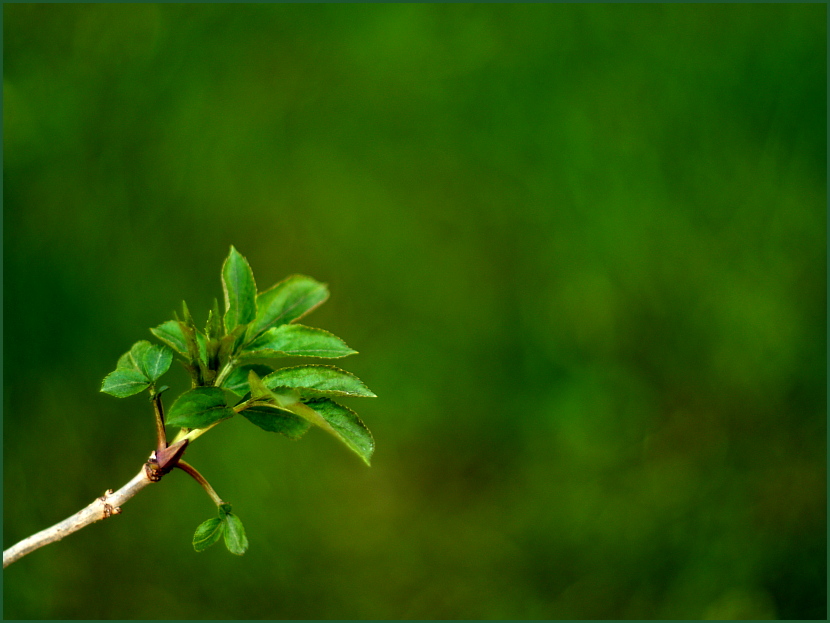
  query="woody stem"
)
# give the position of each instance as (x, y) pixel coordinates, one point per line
(106, 506)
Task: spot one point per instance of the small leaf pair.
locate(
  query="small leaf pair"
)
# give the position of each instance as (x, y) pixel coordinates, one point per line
(137, 369)
(226, 524)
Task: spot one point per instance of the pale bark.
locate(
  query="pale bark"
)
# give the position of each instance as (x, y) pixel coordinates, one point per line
(107, 505)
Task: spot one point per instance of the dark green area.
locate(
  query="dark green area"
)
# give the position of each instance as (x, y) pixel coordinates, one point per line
(580, 248)
(198, 408)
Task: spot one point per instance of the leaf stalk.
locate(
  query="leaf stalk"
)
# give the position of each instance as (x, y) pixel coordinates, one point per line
(194, 473)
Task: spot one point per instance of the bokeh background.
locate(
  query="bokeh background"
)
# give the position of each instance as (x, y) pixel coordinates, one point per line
(580, 248)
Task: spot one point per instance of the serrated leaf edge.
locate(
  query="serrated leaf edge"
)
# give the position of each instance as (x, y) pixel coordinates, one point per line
(227, 521)
(252, 353)
(303, 315)
(331, 430)
(332, 392)
(168, 342)
(172, 418)
(227, 294)
(220, 527)
(145, 384)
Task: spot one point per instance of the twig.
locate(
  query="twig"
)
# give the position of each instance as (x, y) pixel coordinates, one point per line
(105, 506)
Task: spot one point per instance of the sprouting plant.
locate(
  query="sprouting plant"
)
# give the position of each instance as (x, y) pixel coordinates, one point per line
(232, 371)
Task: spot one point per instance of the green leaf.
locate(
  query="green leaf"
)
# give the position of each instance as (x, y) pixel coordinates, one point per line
(240, 291)
(170, 333)
(136, 369)
(289, 300)
(214, 331)
(229, 344)
(202, 342)
(208, 533)
(198, 408)
(282, 397)
(341, 422)
(193, 337)
(186, 317)
(152, 360)
(124, 382)
(126, 361)
(296, 340)
(258, 389)
(235, 539)
(277, 420)
(316, 380)
(214, 328)
(195, 349)
(237, 381)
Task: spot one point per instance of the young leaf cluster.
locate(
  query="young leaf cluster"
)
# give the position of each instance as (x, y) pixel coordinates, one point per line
(234, 367)
(226, 524)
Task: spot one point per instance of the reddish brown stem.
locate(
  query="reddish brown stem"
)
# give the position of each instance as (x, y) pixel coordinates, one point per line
(187, 467)
(161, 435)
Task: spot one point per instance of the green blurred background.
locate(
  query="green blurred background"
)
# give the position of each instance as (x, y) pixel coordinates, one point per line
(580, 248)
